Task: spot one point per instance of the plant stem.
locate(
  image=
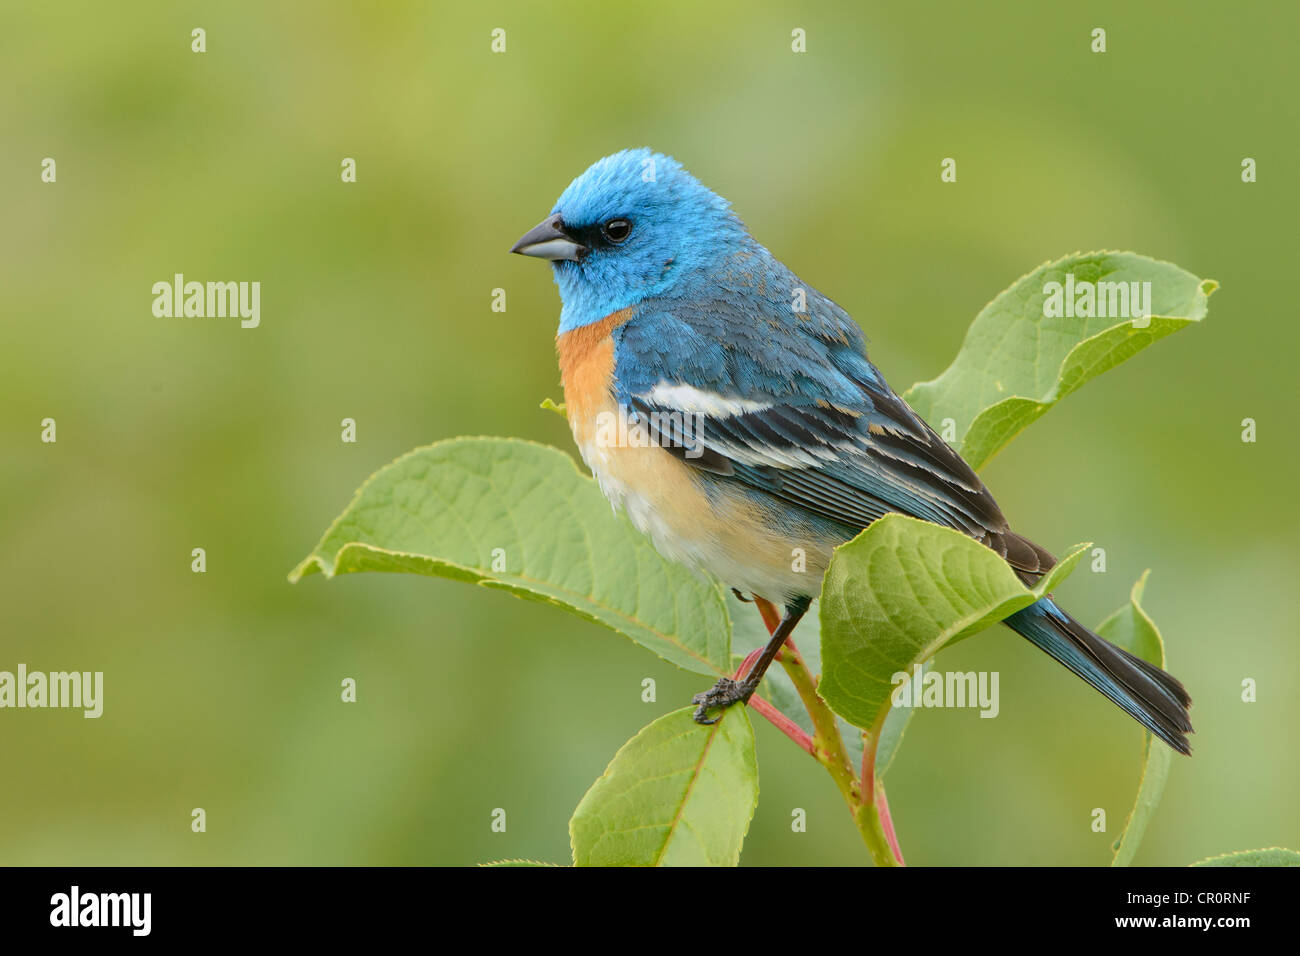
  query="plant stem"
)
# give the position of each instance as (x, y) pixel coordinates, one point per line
(864, 795)
(872, 828)
(887, 823)
(879, 803)
(778, 719)
(828, 745)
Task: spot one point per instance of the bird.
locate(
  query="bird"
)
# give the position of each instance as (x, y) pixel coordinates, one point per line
(729, 409)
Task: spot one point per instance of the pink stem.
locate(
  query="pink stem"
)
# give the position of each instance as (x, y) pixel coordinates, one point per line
(887, 824)
(747, 662)
(771, 617)
(778, 719)
(881, 801)
(783, 723)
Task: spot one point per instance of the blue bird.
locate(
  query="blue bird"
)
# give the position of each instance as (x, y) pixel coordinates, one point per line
(733, 427)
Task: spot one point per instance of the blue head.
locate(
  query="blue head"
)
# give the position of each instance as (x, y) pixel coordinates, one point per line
(633, 225)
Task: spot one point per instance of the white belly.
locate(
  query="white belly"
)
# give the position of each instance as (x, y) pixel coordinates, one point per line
(736, 539)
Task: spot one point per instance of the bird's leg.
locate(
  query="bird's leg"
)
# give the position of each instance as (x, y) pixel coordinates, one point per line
(727, 691)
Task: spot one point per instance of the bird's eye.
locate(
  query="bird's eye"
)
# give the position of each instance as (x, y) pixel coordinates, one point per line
(616, 230)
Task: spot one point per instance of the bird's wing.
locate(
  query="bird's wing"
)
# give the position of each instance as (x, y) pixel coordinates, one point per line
(797, 412)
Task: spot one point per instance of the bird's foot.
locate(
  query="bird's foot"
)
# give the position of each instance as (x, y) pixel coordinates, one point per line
(719, 697)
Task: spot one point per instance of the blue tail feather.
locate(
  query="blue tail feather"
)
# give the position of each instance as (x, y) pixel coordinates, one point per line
(1145, 692)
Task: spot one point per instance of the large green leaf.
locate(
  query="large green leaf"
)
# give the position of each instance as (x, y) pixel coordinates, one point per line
(1271, 856)
(677, 794)
(455, 508)
(1133, 630)
(900, 591)
(1015, 363)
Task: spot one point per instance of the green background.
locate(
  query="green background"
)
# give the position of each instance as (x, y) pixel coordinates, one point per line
(222, 689)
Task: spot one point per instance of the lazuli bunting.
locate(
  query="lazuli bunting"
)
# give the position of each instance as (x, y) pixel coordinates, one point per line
(730, 409)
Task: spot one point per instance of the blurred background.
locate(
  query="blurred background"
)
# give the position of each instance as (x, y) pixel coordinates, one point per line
(222, 688)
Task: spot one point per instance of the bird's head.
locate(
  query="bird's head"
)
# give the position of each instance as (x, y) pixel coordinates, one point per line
(631, 226)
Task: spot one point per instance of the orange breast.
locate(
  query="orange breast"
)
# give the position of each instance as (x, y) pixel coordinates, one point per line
(664, 497)
(587, 372)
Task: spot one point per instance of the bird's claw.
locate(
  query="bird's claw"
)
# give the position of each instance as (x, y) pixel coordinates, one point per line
(719, 697)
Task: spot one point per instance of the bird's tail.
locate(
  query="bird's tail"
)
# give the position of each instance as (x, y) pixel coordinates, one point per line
(1146, 693)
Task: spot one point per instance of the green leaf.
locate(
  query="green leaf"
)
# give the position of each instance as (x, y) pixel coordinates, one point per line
(455, 508)
(1272, 856)
(677, 794)
(517, 863)
(1133, 630)
(1015, 364)
(929, 586)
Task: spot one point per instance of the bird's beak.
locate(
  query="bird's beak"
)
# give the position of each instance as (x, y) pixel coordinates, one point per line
(548, 240)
